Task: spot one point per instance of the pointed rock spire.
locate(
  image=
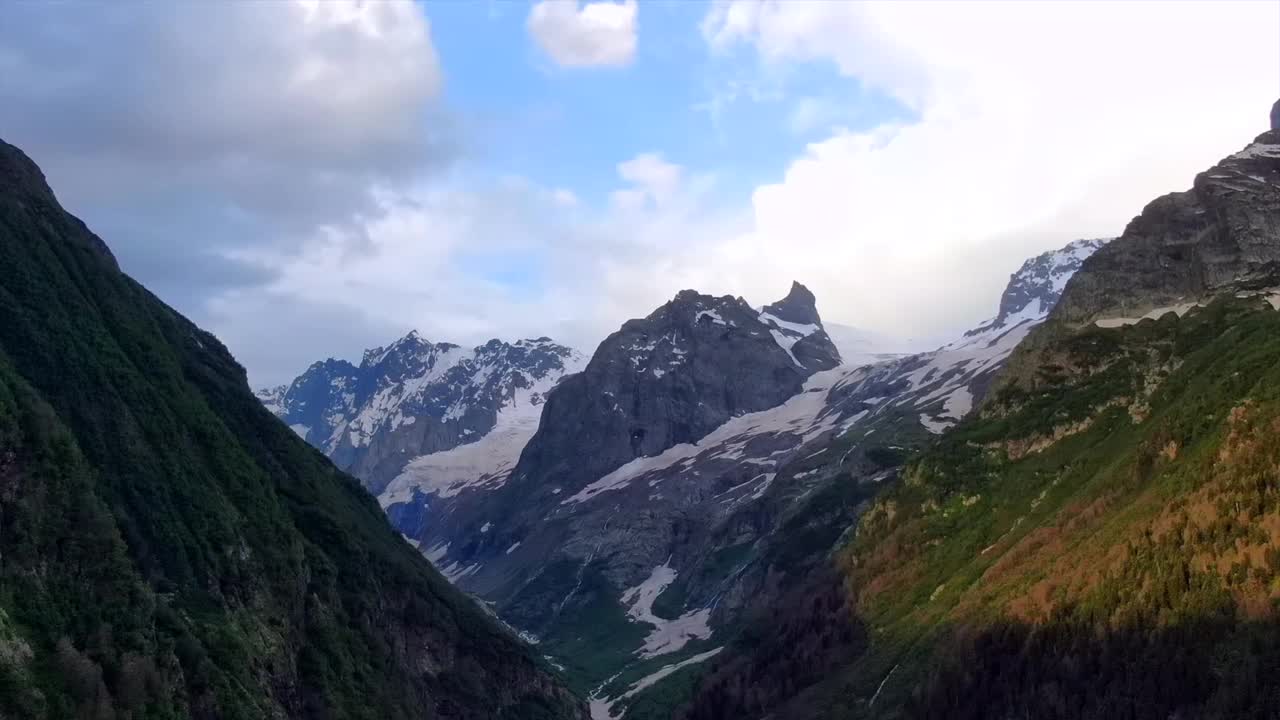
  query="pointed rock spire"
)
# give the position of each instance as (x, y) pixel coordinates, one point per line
(799, 306)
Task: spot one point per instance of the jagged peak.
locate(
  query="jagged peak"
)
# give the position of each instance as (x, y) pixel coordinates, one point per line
(1035, 288)
(799, 306)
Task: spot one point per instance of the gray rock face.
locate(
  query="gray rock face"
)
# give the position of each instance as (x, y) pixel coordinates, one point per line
(413, 398)
(671, 378)
(1275, 116)
(1221, 235)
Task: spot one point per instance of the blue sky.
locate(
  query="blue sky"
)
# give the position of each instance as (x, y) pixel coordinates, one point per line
(308, 178)
(696, 108)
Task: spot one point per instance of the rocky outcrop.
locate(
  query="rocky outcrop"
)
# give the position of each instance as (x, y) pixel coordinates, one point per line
(1222, 235)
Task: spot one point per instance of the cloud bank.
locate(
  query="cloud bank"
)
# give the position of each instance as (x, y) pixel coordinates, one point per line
(290, 175)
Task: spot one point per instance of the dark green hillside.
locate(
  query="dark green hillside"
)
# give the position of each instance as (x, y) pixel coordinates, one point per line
(168, 549)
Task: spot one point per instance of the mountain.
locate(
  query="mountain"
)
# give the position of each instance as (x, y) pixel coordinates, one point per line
(707, 457)
(1036, 287)
(415, 398)
(1098, 538)
(170, 549)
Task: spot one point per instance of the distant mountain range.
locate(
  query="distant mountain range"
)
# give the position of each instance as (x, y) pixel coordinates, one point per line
(414, 398)
(693, 470)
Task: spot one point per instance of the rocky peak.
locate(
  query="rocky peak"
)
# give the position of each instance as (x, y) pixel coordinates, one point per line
(272, 398)
(1222, 235)
(412, 398)
(799, 306)
(671, 378)
(1036, 287)
(1275, 116)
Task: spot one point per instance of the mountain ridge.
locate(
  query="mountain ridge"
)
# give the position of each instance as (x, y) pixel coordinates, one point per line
(414, 397)
(172, 550)
(1073, 549)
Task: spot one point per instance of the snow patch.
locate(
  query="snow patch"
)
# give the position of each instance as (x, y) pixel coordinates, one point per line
(602, 708)
(667, 636)
(786, 342)
(802, 329)
(958, 403)
(802, 414)
(485, 463)
(1180, 309)
(715, 318)
(1258, 150)
(937, 427)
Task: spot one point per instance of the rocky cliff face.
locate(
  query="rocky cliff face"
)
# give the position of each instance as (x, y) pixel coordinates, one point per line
(415, 398)
(670, 379)
(1219, 236)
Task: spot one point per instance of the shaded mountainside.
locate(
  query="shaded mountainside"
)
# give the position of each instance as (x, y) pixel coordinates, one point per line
(1102, 537)
(415, 398)
(168, 549)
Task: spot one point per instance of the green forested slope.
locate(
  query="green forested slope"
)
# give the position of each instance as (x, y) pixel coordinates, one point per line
(1104, 545)
(168, 549)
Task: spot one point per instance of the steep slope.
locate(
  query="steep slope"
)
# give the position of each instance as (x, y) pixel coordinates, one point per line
(415, 398)
(171, 550)
(1099, 540)
(629, 570)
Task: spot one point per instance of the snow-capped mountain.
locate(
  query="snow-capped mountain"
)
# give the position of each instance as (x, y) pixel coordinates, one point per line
(1035, 288)
(416, 398)
(688, 472)
(703, 457)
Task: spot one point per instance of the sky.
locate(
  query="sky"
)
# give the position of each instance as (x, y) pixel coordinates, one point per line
(310, 178)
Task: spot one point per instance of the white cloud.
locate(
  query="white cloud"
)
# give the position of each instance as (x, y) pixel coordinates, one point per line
(1024, 140)
(652, 180)
(564, 197)
(1031, 125)
(1037, 123)
(465, 264)
(594, 34)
